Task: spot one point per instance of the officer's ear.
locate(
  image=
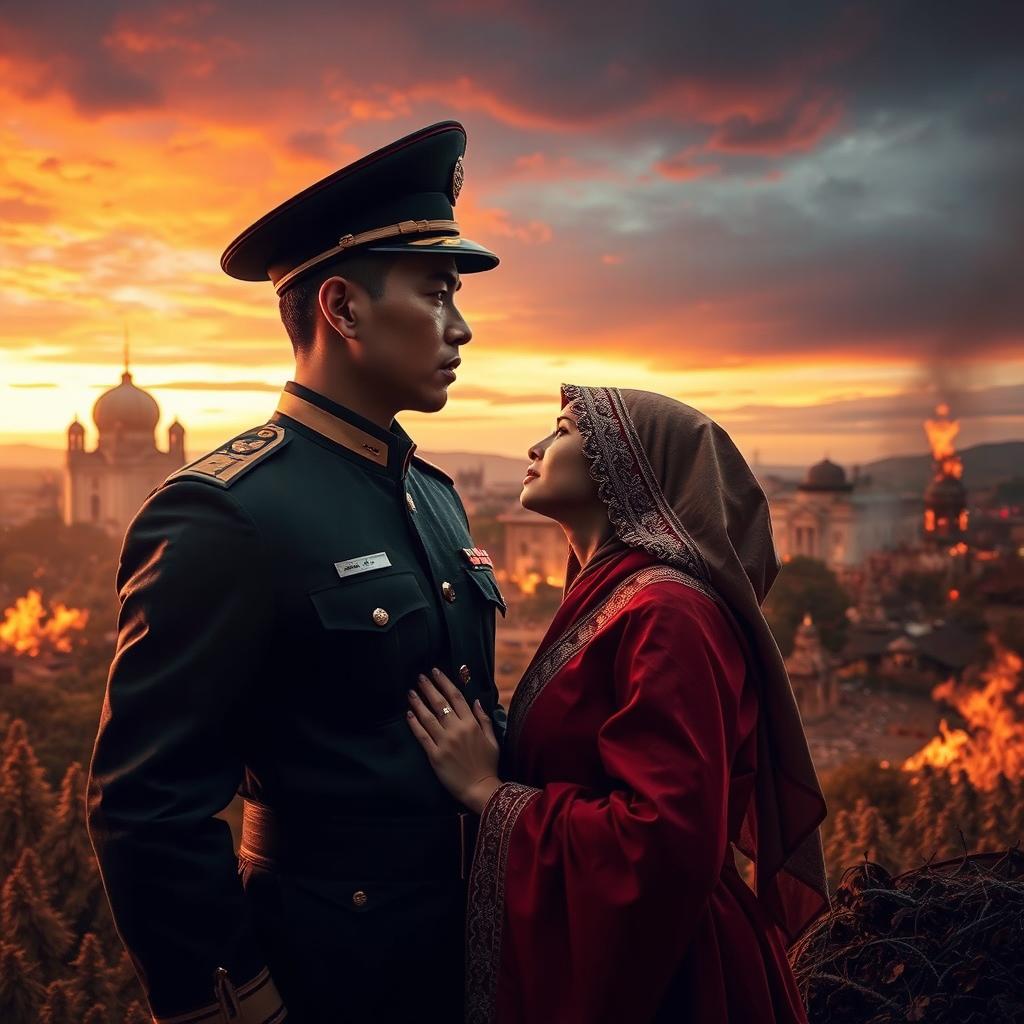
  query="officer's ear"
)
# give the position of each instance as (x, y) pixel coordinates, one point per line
(343, 303)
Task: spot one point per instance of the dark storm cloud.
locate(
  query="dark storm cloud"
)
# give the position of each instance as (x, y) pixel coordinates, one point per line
(878, 414)
(831, 178)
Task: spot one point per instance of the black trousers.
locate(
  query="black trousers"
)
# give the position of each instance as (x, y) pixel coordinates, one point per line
(352, 951)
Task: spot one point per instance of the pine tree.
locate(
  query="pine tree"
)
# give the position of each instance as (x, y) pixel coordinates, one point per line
(91, 977)
(841, 843)
(73, 873)
(25, 802)
(20, 991)
(126, 982)
(998, 816)
(96, 1014)
(60, 1005)
(965, 808)
(931, 792)
(28, 920)
(872, 838)
(135, 1014)
(16, 732)
(941, 839)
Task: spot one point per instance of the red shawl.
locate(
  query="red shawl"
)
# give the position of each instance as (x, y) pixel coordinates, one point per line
(604, 887)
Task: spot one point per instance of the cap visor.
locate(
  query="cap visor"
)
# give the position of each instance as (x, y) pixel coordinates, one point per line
(469, 256)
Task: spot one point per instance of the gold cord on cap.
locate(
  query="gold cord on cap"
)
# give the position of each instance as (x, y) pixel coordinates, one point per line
(405, 227)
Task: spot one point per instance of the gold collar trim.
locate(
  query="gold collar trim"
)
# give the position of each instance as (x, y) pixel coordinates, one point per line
(336, 430)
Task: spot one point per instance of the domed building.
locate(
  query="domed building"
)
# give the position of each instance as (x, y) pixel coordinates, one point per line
(839, 520)
(106, 486)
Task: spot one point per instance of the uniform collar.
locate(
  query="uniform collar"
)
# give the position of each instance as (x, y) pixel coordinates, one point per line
(388, 450)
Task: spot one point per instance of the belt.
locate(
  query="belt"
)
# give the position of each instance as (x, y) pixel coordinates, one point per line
(375, 849)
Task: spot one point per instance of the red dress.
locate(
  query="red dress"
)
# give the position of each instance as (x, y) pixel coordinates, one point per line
(604, 887)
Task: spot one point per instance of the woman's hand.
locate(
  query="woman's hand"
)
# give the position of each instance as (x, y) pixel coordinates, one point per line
(459, 741)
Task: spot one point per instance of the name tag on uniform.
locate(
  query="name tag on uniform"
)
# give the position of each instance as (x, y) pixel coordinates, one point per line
(363, 563)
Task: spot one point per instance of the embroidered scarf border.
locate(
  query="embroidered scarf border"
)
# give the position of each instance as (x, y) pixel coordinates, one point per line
(626, 481)
(577, 636)
(485, 909)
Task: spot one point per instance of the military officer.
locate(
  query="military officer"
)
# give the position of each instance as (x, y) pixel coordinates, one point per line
(279, 597)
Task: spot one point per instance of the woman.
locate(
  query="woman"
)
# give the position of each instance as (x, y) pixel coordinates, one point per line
(654, 730)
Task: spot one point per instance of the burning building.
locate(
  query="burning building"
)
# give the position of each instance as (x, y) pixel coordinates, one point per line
(945, 498)
(28, 629)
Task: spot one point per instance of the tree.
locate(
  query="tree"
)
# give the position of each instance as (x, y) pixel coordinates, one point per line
(20, 991)
(28, 920)
(97, 1014)
(73, 872)
(840, 845)
(872, 838)
(135, 1014)
(60, 1006)
(803, 585)
(889, 789)
(931, 794)
(25, 801)
(965, 807)
(91, 978)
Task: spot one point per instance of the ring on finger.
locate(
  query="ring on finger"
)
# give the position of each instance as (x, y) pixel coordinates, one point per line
(446, 710)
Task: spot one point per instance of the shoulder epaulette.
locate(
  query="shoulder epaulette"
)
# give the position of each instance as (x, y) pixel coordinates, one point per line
(431, 468)
(236, 457)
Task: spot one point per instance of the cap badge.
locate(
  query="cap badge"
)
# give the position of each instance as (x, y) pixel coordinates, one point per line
(458, 177)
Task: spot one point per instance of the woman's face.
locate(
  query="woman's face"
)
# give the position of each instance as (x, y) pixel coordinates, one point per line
(558, 483)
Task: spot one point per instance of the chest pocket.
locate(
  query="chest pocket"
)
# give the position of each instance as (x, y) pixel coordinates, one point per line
(375, 639)
(485, 586)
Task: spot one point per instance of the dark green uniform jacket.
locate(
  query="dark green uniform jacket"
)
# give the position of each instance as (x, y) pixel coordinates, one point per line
(278, 599)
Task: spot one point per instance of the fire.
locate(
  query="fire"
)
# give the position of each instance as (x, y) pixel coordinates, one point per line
(993, 740)
(528, 584)
(942, 431)
(24, 631)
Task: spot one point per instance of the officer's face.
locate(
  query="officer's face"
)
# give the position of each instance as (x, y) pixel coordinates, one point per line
(410, 337)
(558, 482)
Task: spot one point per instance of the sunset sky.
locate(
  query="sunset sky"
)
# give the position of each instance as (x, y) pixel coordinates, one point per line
(805, 218)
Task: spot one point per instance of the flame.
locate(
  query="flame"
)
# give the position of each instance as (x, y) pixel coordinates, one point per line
(942, 431)
(528, 584)
(24, 631)
(993, 739)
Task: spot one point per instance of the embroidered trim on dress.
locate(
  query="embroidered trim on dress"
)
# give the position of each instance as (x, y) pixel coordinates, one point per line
(626, 481)
(577, 636)
(485, 906)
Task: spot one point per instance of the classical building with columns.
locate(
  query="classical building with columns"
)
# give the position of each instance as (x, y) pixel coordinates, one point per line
(840, 521)
(106, 486)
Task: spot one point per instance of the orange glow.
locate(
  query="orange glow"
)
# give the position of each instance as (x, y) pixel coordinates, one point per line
(528, 584)
(929, 520)
(993, 740)
(954, 595)
(24, 631)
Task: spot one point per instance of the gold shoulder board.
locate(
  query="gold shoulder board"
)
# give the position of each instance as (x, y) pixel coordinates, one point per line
(236, 457)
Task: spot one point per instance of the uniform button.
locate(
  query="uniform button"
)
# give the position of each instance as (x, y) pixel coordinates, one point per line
(464, 674)
(380, 616)
(448, 590)
(359, 898)
(410, 502)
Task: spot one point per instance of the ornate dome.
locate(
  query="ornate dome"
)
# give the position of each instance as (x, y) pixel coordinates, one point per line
(825, 476)
(126, 407)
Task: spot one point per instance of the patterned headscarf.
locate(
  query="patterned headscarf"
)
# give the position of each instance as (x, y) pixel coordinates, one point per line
(677, 487)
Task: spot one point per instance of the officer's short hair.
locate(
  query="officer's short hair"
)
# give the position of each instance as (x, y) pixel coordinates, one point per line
(298, 305)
